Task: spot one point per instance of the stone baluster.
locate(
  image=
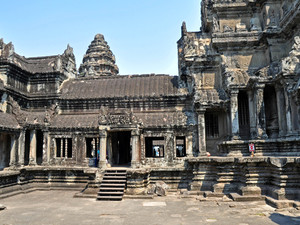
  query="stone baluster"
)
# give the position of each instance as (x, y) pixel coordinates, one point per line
(135, 158)
(61, 147)
(32, 155)
(103, 143)
(288, 111)
(234, 115)
(201, 133)
(260, 112)
(66, 147)
(13, 151)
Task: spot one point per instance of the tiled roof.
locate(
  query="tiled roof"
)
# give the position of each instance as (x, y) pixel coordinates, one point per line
(138, 86)
(8, 121)
(37, 64)
(75, 121)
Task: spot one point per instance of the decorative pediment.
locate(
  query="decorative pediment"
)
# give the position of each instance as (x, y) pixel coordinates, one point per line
(123, 117)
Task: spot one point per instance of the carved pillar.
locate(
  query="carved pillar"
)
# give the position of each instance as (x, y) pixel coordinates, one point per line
(32, 155)
(201, 133)
(252, 114)
(135, 157)
(260, 112)
(234, 115)
(280, 109)
(13, 151)
(103, 142)
(61, 147)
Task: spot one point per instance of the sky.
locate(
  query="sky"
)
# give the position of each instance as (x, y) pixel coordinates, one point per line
(142, 34)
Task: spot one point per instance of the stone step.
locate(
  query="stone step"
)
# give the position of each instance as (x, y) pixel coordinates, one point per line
(115, 177)
(104, 193)
(115, 174)
(209, 194)
(280, 204)
(113, 181)
(246, 198)
(110, 198)
(111, 185)
(112, 189)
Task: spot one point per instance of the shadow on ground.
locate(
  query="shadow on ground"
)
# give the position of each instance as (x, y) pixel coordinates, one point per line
(284, 219)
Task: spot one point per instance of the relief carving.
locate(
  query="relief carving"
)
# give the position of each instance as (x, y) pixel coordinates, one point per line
(116, 118)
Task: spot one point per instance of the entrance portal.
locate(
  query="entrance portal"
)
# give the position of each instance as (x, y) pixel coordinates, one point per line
(120, 148)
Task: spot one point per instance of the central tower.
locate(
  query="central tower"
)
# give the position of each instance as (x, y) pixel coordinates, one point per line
(98, 60)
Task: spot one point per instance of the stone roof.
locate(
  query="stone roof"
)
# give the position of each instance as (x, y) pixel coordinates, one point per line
(8, 121)
(137, 86)
(75, 121)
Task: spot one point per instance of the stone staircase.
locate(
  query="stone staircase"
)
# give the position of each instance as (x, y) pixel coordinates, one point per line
(113, 185)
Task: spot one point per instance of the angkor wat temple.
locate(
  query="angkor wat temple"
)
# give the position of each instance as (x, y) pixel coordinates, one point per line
(238, 84)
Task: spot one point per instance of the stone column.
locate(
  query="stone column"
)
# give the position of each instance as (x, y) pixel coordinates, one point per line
(32, 154)
(103, 142)
(234, 115)
(13, 151)
(260, 112)
(201, 133)
(189, 145)
(252, 114)
(135, 155)
(21, 148)
(280, 109)
(288, 111)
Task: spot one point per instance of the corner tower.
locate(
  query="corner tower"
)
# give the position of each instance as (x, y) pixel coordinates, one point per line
(98, 60)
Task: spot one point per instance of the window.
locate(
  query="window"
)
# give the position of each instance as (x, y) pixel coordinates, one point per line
(180, 147)
(63, 147)
(211, 125)
(155, 147)
(91, 145)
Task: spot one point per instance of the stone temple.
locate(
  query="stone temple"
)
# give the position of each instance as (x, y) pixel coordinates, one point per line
(238, 84)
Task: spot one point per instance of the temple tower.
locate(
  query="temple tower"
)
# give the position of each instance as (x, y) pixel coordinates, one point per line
(98, 60)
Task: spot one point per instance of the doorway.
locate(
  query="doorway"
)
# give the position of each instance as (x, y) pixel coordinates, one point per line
(120, 148)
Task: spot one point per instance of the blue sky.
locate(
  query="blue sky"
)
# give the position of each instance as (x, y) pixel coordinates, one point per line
(141, 33)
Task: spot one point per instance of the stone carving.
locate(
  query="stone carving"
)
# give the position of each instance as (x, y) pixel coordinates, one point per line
(122, 118)
(190, 46)
(255, 24)
(6, 50)
(16, 110)
(216, 26)
(291, 64)
(240, 27)
(227, 29)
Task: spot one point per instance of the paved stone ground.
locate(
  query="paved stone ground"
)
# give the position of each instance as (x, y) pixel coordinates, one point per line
(59, 207)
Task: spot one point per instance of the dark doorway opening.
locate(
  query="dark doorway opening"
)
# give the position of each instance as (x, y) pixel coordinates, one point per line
(39, 146)
(244, 120)
(27, 147)
(121, 150)
(271, 112)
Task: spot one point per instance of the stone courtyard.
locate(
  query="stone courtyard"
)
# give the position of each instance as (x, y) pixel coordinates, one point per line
(59, 207)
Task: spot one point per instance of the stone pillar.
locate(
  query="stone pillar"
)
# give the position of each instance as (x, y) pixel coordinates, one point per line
(103, 142)
(32, 154)
(13, 151)
(252, 114)
(201, 133)
(288, 111)
(61, 147)
(135, 155)
(66, 147)
(234, 115)
(21, 148)
(189, 145)
(260, 112)
(280, 109)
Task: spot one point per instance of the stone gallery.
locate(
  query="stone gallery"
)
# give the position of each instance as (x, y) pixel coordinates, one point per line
(238, 88)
